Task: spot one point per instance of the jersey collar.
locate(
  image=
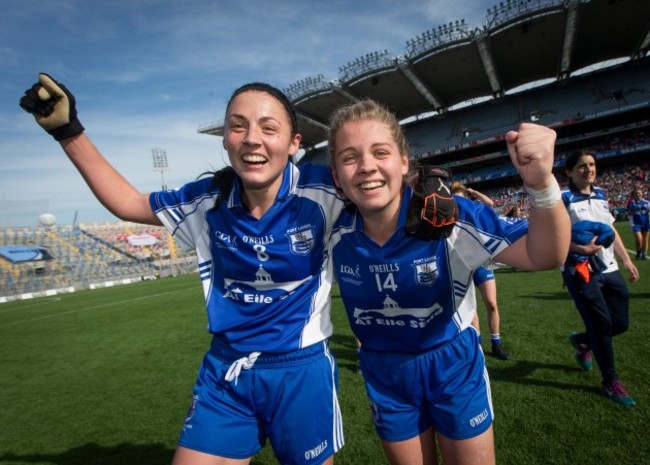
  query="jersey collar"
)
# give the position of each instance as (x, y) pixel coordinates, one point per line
(401, 221)
(574, 189)
(288, 186)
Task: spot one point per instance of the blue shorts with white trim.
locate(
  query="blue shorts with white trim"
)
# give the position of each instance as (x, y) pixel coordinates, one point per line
(447, 388)
(291, 399)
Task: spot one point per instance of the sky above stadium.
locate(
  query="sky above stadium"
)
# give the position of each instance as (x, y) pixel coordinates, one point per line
(147, 73)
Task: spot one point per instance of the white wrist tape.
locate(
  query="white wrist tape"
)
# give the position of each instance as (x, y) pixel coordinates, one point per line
(546, 198)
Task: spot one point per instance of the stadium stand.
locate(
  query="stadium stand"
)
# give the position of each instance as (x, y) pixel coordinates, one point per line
(457, 90)
(591, 109)
(583, 112)
(85, 256)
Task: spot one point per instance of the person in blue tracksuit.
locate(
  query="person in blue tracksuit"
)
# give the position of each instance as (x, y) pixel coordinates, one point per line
(591, 274)
(638, 210)
(411, 301)
(262, 233)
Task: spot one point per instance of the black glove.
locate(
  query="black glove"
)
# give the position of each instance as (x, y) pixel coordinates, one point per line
(432, 211)
(53, 107)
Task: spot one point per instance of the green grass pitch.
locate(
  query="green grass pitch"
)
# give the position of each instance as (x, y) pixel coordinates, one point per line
(104, 377)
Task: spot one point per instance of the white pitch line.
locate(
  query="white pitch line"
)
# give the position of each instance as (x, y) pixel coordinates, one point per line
(46, 300)
(88, 308)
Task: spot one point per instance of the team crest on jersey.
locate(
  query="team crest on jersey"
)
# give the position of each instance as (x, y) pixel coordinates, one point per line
(302, 240)
(426, 271)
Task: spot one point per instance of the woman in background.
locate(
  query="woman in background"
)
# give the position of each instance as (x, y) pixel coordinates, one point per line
(592, 275)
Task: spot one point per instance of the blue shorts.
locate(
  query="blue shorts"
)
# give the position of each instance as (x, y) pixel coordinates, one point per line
(637, 227)
(291, 399)
(482, 275)
(447, 388)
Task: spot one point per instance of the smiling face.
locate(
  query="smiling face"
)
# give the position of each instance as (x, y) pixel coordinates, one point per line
(583, 174)
(369, 167)
(259, 140)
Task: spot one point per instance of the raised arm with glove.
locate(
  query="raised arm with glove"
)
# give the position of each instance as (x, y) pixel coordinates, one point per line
(53, 107)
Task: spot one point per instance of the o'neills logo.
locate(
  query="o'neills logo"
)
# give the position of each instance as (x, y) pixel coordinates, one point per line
(316, 451)
(478, 419)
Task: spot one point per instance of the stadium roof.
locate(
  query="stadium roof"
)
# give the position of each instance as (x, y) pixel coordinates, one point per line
(521, 42)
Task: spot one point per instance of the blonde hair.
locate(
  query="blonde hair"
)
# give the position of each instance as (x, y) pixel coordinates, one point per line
(362, 111)
(458, 187)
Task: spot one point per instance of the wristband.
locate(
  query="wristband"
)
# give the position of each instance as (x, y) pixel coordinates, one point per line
(545, 198)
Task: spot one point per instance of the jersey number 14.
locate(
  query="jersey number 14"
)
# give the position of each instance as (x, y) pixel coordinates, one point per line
(389, 283)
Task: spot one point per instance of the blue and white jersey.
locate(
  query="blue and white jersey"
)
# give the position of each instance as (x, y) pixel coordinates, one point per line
(592, 207)
(266, 282)
(639, 213)
(409, 295)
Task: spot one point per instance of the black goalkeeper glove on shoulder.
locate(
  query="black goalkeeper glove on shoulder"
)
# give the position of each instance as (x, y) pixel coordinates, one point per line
(53, 107)
(432, 211)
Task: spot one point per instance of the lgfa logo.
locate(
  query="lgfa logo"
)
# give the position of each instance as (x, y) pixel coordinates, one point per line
(345, 269)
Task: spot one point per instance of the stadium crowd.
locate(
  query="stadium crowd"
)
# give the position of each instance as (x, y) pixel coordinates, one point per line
(618, 181)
